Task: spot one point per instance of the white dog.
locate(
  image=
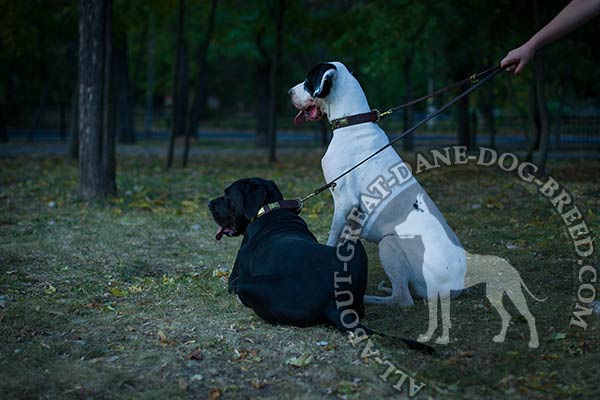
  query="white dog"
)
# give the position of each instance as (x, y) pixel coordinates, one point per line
(383, 188)
(444, 266)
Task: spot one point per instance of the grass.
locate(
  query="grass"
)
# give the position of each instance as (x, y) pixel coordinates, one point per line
(128, 298)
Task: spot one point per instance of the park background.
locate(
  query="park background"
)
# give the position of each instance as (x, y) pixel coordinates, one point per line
(111, 283)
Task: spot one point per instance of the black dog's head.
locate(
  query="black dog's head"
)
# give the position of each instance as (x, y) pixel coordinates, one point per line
(234, 211)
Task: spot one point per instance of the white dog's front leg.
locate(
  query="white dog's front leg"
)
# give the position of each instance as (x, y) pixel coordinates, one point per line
(340, 215)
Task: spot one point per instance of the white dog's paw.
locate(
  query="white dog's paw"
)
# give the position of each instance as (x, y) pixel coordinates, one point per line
(534, 343)
(423, 338)
(442, 340)
(498, 338)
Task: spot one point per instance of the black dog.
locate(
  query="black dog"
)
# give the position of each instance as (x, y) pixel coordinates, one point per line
(281, 271)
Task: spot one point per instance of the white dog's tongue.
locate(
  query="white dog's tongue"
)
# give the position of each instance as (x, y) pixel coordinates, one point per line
(299, 118)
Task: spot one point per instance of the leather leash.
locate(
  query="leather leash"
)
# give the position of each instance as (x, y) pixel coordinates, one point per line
(376, 116)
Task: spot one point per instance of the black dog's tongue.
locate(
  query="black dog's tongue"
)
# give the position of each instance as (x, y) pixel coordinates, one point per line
(224, 231)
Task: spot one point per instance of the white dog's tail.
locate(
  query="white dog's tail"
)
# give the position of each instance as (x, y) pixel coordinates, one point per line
(531, 294)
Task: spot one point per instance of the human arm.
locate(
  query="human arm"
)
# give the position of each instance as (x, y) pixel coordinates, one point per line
(575, 14)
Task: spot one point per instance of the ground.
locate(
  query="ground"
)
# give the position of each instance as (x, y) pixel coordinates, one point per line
(128, 299)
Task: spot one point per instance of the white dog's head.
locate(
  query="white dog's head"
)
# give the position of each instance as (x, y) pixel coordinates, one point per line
(329, 89)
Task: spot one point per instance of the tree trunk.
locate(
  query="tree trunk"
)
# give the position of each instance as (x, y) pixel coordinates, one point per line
(179, 85)
(41, 108)
(542, 111)
(3, 132)
(96, 147)
(62, 124)
(463, 122)
(278, 14)
(263, 74)
(262, 102)
(74, 125)
(148, 115)
(487, 110)
(122, 93)
(541, 96)
(324, 128)
(533, 138)
(408, 143)
(200, 93)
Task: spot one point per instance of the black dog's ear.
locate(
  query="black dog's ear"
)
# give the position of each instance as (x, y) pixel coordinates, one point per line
(320, 79)
(273, 190)
(253, 198)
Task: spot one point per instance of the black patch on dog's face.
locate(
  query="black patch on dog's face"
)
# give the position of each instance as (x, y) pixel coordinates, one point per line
(241, 203)
(314, 78)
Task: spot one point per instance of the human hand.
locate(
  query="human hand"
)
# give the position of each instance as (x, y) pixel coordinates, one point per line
(516, 59)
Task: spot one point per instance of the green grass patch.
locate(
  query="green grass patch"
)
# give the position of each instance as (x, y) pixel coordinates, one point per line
(126, 298)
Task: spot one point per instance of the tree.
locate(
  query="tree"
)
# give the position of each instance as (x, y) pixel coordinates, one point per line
(73, 141)
(96, 145)
(149, 89)
(122, 93)
(200, 92)
(277, 12)
(540, 95)
(3, 133)
(180, 94)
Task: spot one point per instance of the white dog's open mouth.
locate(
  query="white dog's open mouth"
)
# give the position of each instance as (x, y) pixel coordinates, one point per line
(310, 113)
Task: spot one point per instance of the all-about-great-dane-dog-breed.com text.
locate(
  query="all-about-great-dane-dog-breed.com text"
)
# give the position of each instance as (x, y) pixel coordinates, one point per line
(419, 252)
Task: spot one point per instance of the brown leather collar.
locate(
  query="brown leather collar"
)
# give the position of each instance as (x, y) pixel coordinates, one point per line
(371, 116)
(295, 204)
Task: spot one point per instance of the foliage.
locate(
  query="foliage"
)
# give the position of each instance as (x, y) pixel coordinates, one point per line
(447, 40)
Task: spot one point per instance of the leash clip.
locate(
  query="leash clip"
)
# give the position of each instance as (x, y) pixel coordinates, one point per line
(381, 115)
(473, 78)
(376, 111)
(300, 204)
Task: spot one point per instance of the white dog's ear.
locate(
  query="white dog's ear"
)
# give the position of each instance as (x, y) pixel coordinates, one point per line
(320, 79)
(325, 86)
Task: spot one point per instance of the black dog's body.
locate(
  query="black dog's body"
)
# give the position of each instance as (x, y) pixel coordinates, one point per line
(287, 277)
(282, 272)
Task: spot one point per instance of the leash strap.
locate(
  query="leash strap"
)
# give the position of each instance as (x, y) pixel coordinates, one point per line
(477, 79)
(471, 79)
(375, 115)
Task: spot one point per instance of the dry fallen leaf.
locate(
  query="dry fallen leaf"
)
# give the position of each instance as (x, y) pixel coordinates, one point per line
(240, 355)
(460, 356)
(214, 394)
(183, 384)
(195, 354)
(257, 384)
(162, 338)
(301, 361)
(115, 291)
(49, 290)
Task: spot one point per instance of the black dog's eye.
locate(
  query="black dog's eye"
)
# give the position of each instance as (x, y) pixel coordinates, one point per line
(416, 205)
